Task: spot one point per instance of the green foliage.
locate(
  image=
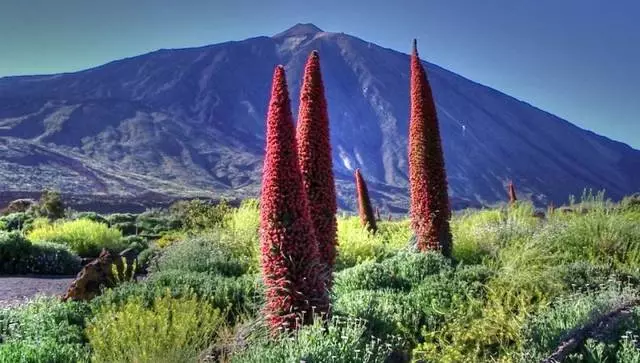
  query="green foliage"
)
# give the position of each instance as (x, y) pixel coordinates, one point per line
(201, 215)
(44, 330)
(20, 256)
(170, 238)
(342, 340)
(156, 222)
(236, 296)
(214, 253)
(84, 237)
(356, 244)
(50, 205)
(171, 330)
(15, 221)
(92, 216)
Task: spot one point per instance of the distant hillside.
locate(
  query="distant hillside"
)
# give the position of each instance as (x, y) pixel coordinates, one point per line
(190, 122)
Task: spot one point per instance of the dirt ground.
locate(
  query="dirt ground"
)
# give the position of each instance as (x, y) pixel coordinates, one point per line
(16, 290)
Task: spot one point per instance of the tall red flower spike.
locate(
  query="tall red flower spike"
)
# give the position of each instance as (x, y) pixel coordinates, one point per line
(430, 211)
(512, 193)
(292, 273)
(314, 152)
(364, 204)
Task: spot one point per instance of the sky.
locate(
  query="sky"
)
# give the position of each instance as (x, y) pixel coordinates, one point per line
(578, 59)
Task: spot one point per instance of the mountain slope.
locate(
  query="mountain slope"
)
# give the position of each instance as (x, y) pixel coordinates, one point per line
(191, 121)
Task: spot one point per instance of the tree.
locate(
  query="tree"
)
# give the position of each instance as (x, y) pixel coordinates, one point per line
(51, 205)
(291, 269)
(316, 165)
(430, 211)
(365, 210)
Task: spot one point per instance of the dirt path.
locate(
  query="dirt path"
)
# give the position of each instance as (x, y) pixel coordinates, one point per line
(16, 290)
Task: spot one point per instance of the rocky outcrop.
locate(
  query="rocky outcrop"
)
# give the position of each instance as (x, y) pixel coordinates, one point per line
(106, 271)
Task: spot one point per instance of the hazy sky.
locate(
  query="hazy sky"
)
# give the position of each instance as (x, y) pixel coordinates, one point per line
(578, 59)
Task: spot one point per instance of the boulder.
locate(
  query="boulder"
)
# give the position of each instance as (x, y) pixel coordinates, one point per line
(106, 271)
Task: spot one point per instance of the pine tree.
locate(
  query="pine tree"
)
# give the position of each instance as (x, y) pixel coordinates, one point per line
(291, 269)
(316, 165)
(430, 211)
(364, 204)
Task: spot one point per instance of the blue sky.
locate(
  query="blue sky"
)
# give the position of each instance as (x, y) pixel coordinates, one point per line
(578, 59)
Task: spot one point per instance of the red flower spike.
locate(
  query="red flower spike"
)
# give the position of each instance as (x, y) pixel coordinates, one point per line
(316, 165)
(364, 204)
(430, 211)
(292, 273)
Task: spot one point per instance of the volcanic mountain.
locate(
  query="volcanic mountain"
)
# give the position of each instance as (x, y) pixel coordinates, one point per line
(187, 122)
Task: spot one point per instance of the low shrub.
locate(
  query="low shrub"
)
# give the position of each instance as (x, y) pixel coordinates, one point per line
(169, 238)
(44, 330)
(236, 296)
(214, 253)
(342, 340)
(92, 216)
(84, 237)
(19, 256)
(356, 244)
(544, 331)
(171, 330)
(15, 221)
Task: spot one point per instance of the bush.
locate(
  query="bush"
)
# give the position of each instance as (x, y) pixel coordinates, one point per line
(343, 340)
(50, 205)
(544, 331)
(155, 222)
(169, 238)
(356, 244)
(213, 253)
(15, 221)
(201, 215)
(92, 216)
(401, 272)
(124, 222)
(171, 330)
(20, 256)
(44, 330)
(85, 237)
(235, 296)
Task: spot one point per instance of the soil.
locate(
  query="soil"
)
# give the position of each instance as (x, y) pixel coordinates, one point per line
(15, 290)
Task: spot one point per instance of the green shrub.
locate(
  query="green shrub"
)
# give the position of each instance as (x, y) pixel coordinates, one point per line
(85, 237)
(15, 221)
(213, 253)
(356, 244)
(124, 222)
(92, 216)
(544, 331)
(236, 296)
(400, 272)
(20, 256)
(45, 350)
(169, 238)
(147, 257)
(50, 205)
(156, 222)
(343, 340)
(201, 215)
(44, 330)
(171, 330)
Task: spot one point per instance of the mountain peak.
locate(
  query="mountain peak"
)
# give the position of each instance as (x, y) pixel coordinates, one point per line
(299, 29)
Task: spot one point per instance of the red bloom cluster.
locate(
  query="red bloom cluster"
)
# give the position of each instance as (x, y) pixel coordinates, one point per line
(430, 211)
(291, 271)
(364, 204)
(316, 165)
(512, 193)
